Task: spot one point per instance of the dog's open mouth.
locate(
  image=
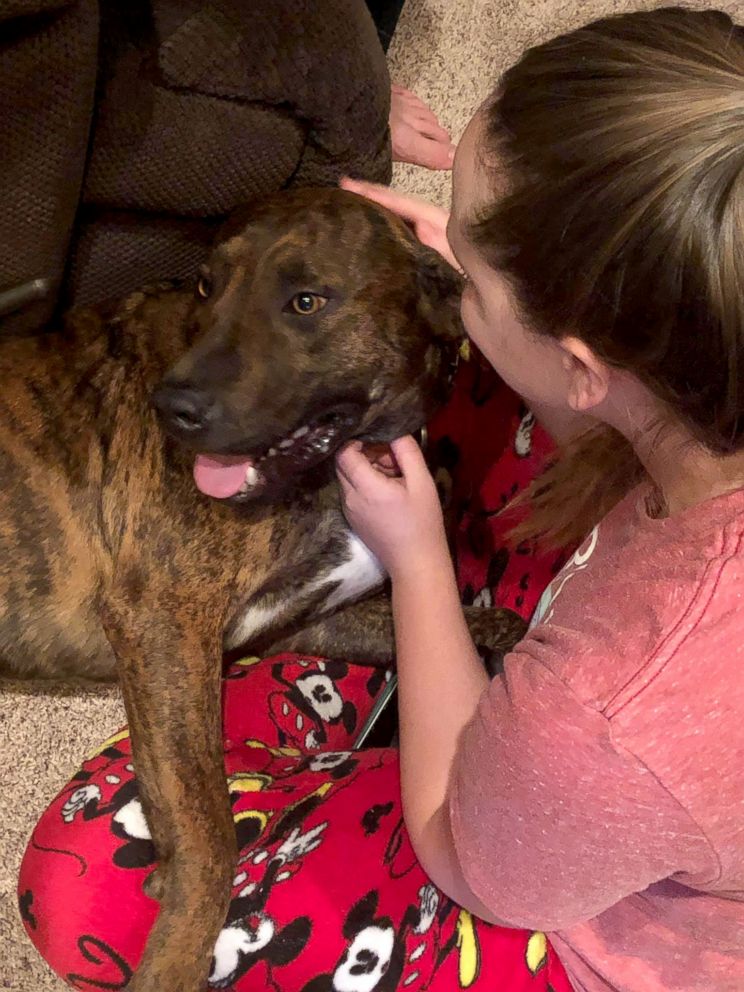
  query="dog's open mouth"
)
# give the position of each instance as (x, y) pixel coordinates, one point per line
(243, 477)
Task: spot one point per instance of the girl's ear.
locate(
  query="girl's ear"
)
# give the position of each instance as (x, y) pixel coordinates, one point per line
(588, 375)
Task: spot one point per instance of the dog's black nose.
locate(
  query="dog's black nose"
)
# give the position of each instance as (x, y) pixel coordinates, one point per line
(185, 409)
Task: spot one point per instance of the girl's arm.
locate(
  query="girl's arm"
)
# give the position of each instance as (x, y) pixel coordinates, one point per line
(440, 680)
(517, 789)
(440, 675)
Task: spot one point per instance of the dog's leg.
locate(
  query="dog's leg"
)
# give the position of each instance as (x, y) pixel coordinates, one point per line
(494, 632)
(363, 632)
(170, 672)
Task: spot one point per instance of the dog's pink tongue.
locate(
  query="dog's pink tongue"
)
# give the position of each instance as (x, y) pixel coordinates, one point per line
(220, 476)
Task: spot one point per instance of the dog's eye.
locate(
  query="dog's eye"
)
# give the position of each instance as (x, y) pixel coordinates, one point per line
(204, 287)
(306, 304)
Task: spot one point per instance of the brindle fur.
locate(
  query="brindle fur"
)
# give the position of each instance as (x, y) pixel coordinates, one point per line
(112, 563)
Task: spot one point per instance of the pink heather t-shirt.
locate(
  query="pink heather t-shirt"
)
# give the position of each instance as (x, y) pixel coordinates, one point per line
(598, 793)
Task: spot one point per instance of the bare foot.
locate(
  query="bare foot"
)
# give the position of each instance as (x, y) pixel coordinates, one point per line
(417, 135)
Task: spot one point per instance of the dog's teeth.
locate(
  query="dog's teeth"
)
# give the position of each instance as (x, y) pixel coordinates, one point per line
(286, 443)
(272, 452)
(301, 431)
(251, 477)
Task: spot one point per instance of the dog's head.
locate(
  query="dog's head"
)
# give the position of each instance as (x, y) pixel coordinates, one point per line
(320, 318)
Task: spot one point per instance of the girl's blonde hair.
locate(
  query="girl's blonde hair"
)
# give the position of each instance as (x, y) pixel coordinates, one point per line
(622, 145)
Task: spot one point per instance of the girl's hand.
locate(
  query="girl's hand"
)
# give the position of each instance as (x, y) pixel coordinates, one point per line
(428, 221)
(399, 518)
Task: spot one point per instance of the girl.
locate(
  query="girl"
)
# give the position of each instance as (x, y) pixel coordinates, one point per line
(591, 791)
(598, 209)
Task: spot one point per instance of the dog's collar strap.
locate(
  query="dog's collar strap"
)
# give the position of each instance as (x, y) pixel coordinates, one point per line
(454, 357)
(462, 354)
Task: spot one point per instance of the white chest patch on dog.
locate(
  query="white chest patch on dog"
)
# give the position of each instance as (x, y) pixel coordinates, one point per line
(253, 621)
(357, 574)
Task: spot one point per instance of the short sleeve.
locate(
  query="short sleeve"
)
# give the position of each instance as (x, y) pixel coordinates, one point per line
(552, 822)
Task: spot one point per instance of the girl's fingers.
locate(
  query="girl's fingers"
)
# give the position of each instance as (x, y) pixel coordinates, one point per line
(346, 462)
(410, 208)
(373, 191)
(436, 238)
(354, 467)
(409, 456)
(381, 457)
(346, 487)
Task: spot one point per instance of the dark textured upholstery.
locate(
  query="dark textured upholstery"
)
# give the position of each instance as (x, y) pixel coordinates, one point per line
(128, 130)
(385, 14)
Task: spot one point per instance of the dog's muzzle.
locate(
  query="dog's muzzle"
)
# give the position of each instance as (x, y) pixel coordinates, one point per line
(186, 411)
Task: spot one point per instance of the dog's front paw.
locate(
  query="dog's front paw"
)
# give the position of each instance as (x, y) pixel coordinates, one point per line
(493, 659)
(494, 633)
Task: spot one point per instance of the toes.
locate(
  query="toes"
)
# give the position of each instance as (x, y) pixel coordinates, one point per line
(402, 91)
(427, 121)
(434, 131)
(413, 147)
(412, 102)
(435, 155)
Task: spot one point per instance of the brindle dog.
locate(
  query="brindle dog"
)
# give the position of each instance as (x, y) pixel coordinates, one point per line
(318, 319)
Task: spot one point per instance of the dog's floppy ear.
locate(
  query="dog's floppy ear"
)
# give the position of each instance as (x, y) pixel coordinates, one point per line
(236, 221)
(440, 288)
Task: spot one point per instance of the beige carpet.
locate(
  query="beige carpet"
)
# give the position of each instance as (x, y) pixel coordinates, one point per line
(450, 52)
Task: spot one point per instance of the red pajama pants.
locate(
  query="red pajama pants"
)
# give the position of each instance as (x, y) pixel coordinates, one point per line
(327, 895)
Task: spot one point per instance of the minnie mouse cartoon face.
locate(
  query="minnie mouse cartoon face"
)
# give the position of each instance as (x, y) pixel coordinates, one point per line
(322, 695)
(127, 820)
(250, 935)
(254, 938)
(337, 764)
(310, 703)
(242, 939)
(373, 959)
(366, 960)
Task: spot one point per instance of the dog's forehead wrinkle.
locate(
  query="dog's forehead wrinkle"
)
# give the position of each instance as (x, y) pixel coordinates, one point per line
(322, 244)
(239, 282)
(233, 248)
(385, 229)
(291, 261)
(296, 270)
(243, 249)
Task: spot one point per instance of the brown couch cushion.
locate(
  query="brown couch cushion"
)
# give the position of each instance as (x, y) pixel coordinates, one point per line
(199, 106)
